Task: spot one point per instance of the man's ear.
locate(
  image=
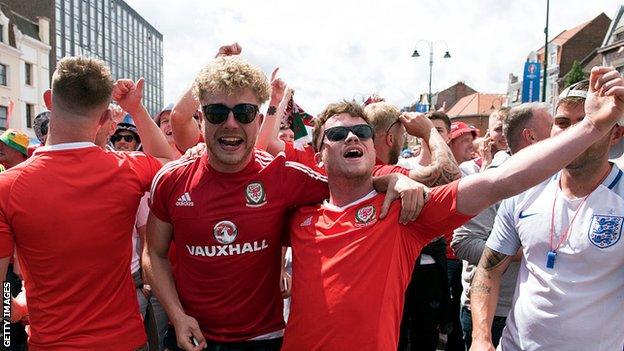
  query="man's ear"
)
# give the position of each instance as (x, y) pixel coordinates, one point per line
(389, 139)
(528, 135)
(105, 116)
(47, 99)
(616, 134)
(260, 118)
(318, 159)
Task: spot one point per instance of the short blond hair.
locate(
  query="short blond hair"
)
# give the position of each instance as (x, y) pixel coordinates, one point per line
(80, 84)
(381, 115)
(230, 75)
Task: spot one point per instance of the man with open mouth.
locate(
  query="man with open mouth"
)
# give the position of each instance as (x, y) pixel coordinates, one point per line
(351, 268)
(226, 212)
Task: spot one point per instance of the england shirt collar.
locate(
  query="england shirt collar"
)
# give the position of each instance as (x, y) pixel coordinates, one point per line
(335, 208)
(614, 177)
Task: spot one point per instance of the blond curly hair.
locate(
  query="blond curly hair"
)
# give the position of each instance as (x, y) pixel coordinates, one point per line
(230, 75)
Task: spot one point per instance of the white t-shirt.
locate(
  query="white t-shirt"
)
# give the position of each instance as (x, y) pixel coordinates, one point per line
(141, 220)
(579, 303)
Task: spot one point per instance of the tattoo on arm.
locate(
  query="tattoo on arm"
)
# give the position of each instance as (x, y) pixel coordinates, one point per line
(443, 168)
(271, 110)
(492, 259)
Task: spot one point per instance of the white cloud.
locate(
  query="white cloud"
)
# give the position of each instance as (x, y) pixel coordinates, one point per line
(330, 50)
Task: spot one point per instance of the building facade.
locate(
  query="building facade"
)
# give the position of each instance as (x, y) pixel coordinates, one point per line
(612, 49)
(577, 43)
(109, 30)
(24, 69)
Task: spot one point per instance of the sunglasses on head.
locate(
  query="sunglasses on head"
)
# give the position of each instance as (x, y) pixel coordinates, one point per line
(127, 138)
(362, 131)
(218, 113)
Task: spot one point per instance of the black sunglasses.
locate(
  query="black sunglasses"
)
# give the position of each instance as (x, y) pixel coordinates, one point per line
(392, 125)
(362, 131)
(218, 113)
(127, 138)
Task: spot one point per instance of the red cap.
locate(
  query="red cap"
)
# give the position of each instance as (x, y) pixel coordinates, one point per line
(460, 128)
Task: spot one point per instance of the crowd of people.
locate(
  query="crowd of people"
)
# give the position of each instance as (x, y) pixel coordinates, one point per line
(205, 227)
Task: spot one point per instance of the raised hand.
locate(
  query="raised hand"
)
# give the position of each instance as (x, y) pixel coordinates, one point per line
(442, 108)
(604, 105)
(229, 50)
(485, 151)
(416, 124)
(278, 87)
(129, 94)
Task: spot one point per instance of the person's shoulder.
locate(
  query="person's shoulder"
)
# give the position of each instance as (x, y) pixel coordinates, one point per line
(264, 159)
(175, 170)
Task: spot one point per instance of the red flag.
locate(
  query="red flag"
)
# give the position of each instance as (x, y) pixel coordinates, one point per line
(9, 112)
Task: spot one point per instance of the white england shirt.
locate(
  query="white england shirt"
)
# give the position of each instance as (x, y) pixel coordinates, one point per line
(579, 303)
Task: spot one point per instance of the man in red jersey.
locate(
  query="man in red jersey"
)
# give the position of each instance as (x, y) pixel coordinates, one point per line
(76, 257)
(351, 267)
(226, 212)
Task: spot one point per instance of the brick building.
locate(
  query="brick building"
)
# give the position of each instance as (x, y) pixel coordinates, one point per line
(475, 109)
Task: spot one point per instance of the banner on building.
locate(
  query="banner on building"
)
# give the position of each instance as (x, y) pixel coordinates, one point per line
(531, 81)
(423, 108)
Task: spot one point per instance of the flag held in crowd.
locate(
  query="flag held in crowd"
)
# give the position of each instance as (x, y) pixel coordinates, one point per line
(300, 122)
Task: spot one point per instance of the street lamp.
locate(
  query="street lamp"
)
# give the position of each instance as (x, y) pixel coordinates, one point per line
(431, 46)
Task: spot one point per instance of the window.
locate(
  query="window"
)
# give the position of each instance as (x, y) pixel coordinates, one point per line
(1, 33)
(3, 116)
(3, 75)
(30, 115)
(29, 73)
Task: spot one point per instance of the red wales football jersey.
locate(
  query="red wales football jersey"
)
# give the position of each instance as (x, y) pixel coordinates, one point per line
(69, 211)
(228, 231)
(351, 269)
(305, 156)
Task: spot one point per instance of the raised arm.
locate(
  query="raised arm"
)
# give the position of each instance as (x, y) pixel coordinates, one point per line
(129, 95)
(267, 136)
(443, 169)
(184, 128)
(484, 293)
(603, 108)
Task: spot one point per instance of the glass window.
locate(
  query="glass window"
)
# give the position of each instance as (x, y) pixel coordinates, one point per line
(30, 115)
(3, 116)
(28, 77)
(3, 75)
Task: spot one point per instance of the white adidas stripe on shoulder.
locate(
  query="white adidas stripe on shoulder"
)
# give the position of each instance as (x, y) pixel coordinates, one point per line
(169, 167)
(307, 170)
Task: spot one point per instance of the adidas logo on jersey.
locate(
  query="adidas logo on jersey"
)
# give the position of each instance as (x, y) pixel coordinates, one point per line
(184, 200)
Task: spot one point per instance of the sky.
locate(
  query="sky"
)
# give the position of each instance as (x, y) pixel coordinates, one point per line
(333, 50)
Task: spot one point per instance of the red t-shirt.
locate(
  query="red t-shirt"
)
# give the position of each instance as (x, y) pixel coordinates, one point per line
(228, 230)
(381, 169)
(350, 270)
(305, 156)
(69, 211)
